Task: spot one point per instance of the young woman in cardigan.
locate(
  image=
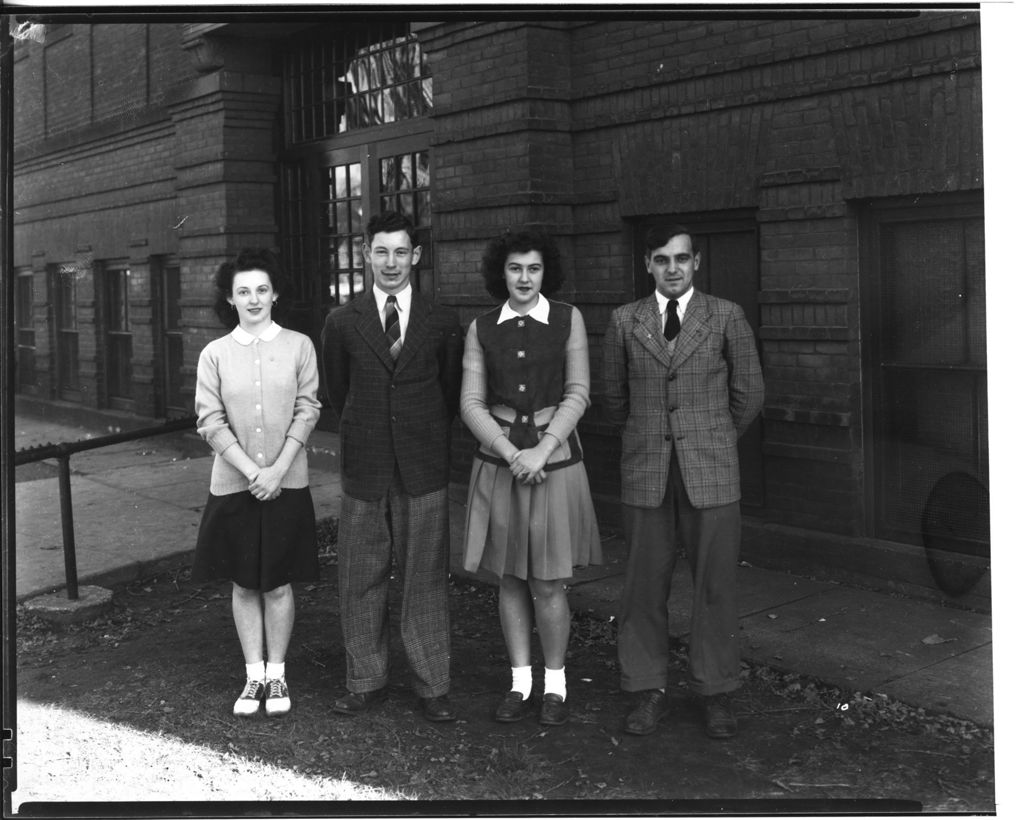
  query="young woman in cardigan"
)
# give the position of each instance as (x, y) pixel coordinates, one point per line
(256, 402)
(530, 518)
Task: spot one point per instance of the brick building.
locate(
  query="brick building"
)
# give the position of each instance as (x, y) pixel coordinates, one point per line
(831, 167)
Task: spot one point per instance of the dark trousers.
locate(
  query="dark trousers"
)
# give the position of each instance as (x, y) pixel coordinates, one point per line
(711, 539)
(415, 528)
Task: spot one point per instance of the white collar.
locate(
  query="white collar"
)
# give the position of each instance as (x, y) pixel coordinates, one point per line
(403, 298)
(539, 311)
(244, 337)
(683, 301)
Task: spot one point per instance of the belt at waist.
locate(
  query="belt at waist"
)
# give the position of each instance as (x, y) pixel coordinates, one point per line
(523, 425)
(534, 431)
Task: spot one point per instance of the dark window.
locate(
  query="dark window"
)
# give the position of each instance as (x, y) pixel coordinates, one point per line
(928, 370)
(172, 345)
(118, 335)
(65, 292)
(24, 320)
(405, 187)
(357, 133)
(342, 230)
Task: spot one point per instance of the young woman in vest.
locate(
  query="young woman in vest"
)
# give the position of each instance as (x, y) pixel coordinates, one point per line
(530, 518)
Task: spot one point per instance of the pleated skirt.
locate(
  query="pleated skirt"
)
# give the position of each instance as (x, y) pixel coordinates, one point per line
(541, 530)
(258, 544)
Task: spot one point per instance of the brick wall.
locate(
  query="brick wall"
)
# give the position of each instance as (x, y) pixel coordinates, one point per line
(582, 128)
(790, 120)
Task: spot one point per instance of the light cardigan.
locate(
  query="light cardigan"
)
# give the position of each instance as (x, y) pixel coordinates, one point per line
(575, 400)
(256, 392)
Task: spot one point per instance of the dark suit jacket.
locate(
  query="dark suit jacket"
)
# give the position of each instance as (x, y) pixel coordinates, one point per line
(698, 398)
(393, 412)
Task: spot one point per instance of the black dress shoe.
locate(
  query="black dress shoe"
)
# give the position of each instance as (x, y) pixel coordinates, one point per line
(437, 709)
(512, 708)
(644, 718)
(719, 720)
(554, 711)
(356, 703)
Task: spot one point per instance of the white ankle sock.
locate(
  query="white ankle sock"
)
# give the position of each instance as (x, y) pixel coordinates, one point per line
(522, 680)
(255, 671)
(554, 682)
(275, 671)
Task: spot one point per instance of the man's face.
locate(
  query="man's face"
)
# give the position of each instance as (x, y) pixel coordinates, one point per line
(673, 266)
(392, 257)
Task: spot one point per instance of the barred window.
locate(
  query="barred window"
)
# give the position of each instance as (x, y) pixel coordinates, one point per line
(363, 76)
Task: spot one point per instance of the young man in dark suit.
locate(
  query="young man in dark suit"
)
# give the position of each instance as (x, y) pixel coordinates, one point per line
(683, 380)
(393, 369)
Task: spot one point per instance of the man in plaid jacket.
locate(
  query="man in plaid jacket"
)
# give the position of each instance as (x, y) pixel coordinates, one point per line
(683, 382)
(393, 369)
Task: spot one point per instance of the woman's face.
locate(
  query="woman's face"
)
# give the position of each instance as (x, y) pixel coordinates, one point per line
(253, 296)
(524, 275)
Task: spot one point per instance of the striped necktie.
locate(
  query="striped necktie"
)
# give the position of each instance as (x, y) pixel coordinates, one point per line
(392, 330)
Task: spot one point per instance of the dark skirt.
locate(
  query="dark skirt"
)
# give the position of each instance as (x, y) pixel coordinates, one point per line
(258, 544)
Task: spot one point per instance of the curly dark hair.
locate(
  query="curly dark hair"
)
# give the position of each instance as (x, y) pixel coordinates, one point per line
(498, 250)
(248, 259)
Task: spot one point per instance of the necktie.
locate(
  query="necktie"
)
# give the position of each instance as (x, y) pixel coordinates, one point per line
(392, 331)
(672, 320)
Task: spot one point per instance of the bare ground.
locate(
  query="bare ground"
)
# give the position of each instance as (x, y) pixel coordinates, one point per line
(136, 706)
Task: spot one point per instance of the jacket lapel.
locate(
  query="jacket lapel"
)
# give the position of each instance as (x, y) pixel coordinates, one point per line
(693, 329)
(369, 327)
(648, 332)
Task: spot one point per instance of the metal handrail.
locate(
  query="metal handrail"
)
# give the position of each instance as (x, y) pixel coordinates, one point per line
(63, 451)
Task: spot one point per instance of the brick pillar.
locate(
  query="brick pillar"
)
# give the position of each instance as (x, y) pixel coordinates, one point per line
(502, 151)
(809, 327)
(226, 133)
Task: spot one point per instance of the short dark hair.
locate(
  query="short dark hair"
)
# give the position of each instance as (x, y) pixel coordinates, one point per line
(658, 236)
(390, 222)
(497, 252)
(248, 259)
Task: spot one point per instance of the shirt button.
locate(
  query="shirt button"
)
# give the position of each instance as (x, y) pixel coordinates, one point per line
(668, 437)
(521, 354)
(521, 323)
(257, 382)
(522, 388)
(525, 419)
(257, 361)
(259, 406)
(259, 429)
(259, 455)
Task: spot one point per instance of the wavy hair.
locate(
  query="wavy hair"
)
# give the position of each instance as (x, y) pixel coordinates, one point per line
(500, 247)
(249, 259)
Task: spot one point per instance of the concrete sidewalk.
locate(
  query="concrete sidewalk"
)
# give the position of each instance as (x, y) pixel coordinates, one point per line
(137, 506)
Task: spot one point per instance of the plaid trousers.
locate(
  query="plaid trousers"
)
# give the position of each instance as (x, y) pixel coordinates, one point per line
(415, 530)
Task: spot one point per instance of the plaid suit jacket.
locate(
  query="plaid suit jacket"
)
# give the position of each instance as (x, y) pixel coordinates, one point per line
(698, 398)
(393, 412)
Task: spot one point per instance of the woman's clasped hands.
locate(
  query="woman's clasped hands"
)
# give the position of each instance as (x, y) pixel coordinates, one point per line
(266, 484)
(528, 465)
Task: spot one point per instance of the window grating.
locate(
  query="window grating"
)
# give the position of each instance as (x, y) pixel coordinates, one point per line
(366, 75)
